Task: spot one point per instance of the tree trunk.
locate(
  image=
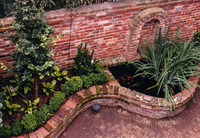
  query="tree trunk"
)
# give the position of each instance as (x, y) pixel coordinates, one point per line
(36, 86)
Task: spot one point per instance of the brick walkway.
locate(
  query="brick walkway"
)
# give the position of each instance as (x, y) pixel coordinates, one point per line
(114, 122)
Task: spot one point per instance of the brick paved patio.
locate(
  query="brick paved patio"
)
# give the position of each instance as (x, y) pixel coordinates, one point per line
(113, 122)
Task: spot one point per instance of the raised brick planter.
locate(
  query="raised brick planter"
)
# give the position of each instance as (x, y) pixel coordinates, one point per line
(111, 94)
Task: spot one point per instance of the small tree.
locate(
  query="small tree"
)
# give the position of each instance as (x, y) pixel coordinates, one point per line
(33, 53)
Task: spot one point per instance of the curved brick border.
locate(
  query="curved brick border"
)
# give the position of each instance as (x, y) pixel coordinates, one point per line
(137, 23)
(110, 94)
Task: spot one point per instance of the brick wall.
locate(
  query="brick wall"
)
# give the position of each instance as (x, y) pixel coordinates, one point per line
(113, 29)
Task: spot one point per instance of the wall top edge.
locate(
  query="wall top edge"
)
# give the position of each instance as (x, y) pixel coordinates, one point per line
(106, 6)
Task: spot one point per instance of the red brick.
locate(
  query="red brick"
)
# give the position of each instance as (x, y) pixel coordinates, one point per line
(70, 104)
(32, 135)
(48, 127)
(38, 134)
(93, 90)
(58, 120)
(53, 123)
(81, 93)
(43, 131)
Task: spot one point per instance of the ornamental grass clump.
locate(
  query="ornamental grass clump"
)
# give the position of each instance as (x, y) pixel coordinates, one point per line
(170, 62)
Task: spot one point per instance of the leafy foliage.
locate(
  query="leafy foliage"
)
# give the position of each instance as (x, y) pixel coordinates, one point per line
(49, 87)
(22, 86)
(45, 110)
(2, 66)
(40, 117)
(84, 61)
(5, 131)
(31, 105)
(8, 92)
(86, 81)
(93, 79)
(12, 107)
(56, 100)
(33, 40)
(98, 68)
(16, 127)
(59, 75)
(170, 62)
(197, 37)
(74, 84)
(101, 78)
(29, 122)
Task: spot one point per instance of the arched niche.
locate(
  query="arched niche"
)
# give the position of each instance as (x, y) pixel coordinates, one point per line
(138, 24)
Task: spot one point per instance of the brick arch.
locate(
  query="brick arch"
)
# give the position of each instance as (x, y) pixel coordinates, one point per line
(136, 26)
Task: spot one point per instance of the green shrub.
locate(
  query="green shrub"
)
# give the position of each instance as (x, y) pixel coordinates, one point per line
(73, 85)
(98, 68)
(40, 117)
(170, 63)
(45, 110)
(93, 79)
(29, 122)
(102, 78)
(56, 100)
(85, 64)
(16, 127)
(5, 131)
(86, 81)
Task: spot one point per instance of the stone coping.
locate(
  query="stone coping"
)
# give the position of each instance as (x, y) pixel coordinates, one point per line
(110, 94)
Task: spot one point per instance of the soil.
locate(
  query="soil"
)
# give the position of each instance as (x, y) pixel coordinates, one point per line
(9, 119)
(125, 73)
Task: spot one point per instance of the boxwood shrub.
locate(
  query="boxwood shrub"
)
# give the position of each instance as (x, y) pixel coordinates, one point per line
(73, 85)
(16, 127)
(93, 79)
(5, 131)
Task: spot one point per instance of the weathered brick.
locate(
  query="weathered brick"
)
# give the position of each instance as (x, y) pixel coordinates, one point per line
(52, 123)
(32, 135)
(43, 131)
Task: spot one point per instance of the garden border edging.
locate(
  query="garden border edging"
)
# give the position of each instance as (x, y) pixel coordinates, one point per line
(110, 94)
